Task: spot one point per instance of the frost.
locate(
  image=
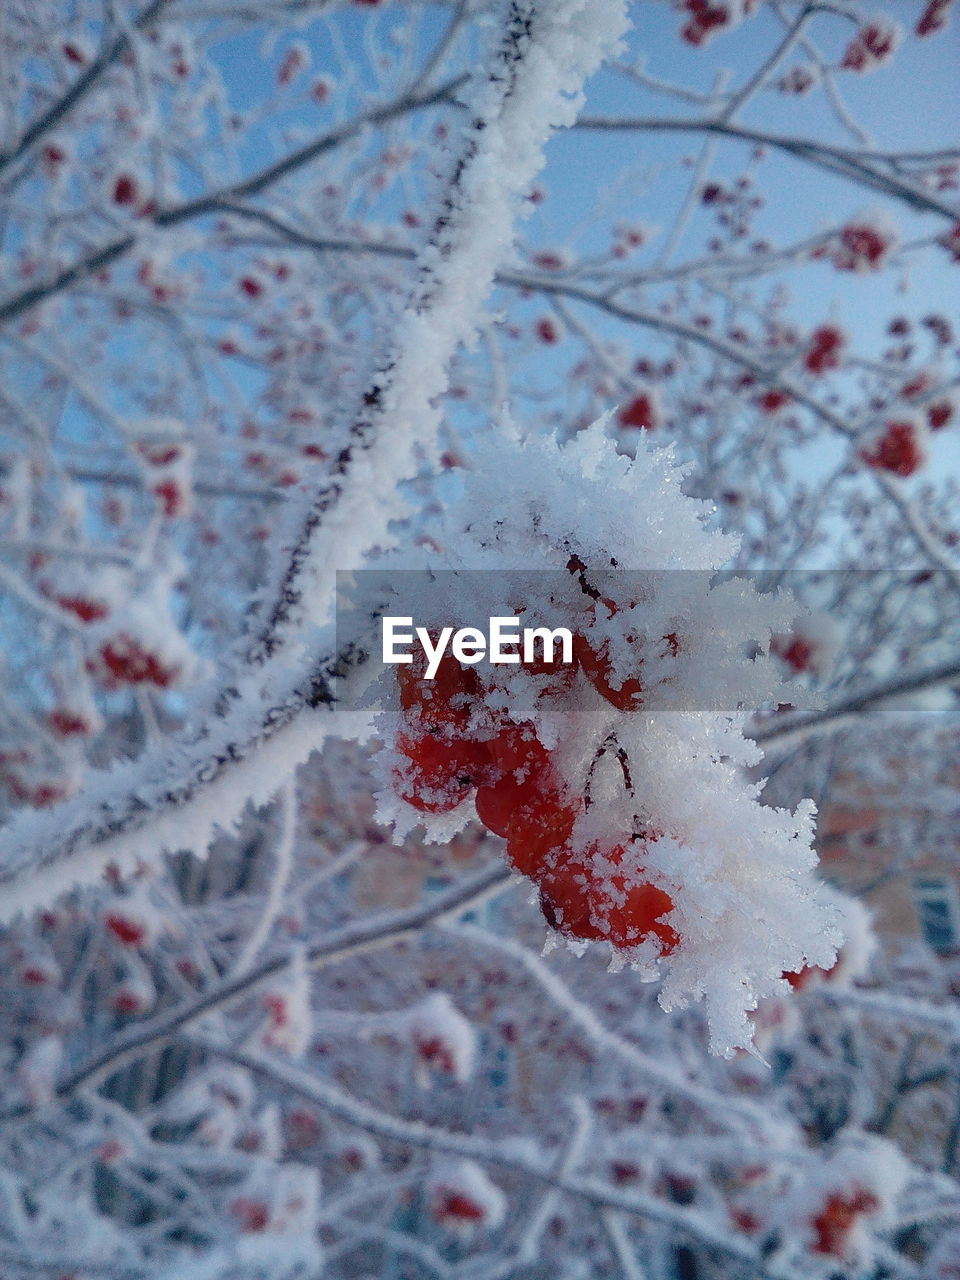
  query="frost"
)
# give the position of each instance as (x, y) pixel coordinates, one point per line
(544, 91)
(38, 1069)
(828, 1212)
(288, 1024)
(739, 875)
(442, 1038)
(463, 1198)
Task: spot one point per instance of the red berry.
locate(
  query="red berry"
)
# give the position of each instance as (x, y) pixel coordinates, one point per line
(129, 931)
(158, 455)
(639, 915)
(522, 777)
(838, 1215)
(933, 18)
(128, 663)
(127, 1001)
(672, 644)
(35, 976)
(795, 651)
(584, 896)
(872, 44)
(598, 668)
(823, 353)
(546, 330)
(897, 450)
(436, 1053)
(276, 1007)
(950, 240)
(525, 801)
(454, 1204)
(444, 703)
(304, 1127)
(939, 413)
(706, 16)
(47, 794)
(797, 80)
(125, 190)
(439, 772)
(170, 497)
(772, 401)
(862, 247)
(496, 803)
(567, 900)
(251, 1214)
(39, 795)
(68, 724)
(641, 412)
(292, 63)
(517, 750)
(87, 610)
(917, 385)
(798, 978)
(745, 1220)
(539, 827)
(549, 260)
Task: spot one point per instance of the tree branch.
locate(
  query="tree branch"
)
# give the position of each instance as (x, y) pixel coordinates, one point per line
(774, 377)
(785, 730)
(225, 197)
(269, 718)
(721, 1108)
(847, 163)
(50, 118)
(690, 1223)
(354, 939)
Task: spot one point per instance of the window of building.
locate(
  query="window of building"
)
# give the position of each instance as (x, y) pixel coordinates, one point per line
(938, 909)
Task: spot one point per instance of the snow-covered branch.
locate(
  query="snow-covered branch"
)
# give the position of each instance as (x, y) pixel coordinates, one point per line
(787, 730)
(542, 61)
(875, 170)
(372, 933)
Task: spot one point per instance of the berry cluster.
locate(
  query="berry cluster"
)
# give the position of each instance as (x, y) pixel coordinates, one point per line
(461, 1197)
(873, 44)
(862, 246)
(454, 745)
(643, 412)
(933, 18)
(825, 349)
(897, 449)
(839, 1215)
(167, 467)
(127, 660)
(707, 17)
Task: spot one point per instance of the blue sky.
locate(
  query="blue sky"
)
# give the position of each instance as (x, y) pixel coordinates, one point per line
(593, 180)
(641, 169)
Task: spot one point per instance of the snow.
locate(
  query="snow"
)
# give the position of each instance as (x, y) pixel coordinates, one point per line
(187, 793)
(463, 1185)
(860, 1163)
(746, 902)
(442, 1037)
